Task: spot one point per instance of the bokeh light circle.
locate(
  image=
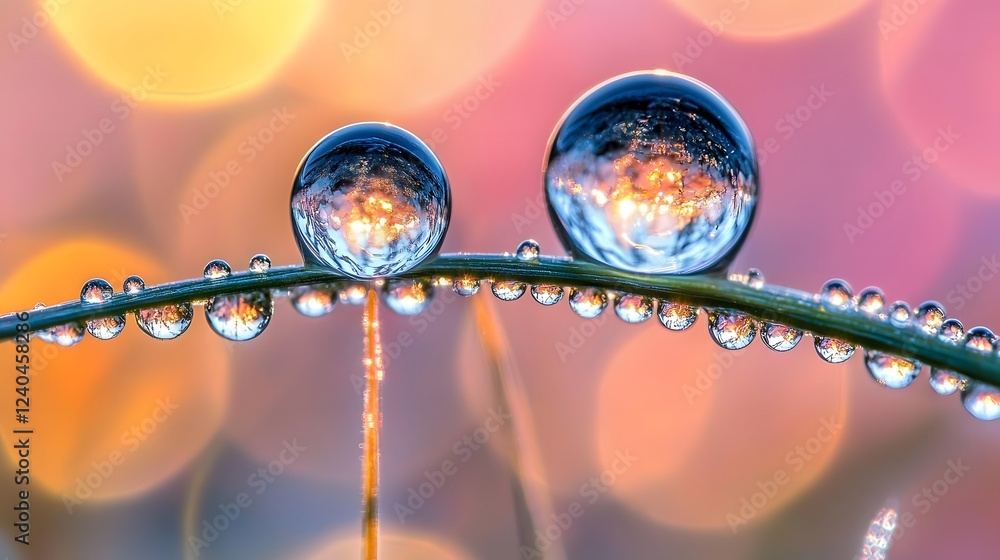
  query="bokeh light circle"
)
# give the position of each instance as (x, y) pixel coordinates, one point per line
(694, 469)
(121, 416)
(186, 50)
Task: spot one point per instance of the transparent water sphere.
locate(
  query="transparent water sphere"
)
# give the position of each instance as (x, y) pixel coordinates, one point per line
(892, 371)
(587, 302)
(676, 316)
(167, 322)
(240, 317)
(731, 329)
(408, 297)
(981, 401)
(370, 200)
(633, 308)
(314, 300)
(652, 172)
(528, 250)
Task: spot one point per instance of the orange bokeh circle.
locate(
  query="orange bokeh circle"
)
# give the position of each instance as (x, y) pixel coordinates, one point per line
(110, 418)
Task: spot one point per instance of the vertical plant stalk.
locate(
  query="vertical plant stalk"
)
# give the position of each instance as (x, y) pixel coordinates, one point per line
(526, 472)
(372, 418)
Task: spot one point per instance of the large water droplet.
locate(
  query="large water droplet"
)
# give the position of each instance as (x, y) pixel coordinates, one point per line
(260, 263)
(587, 302)
(217, 269)
(899, 314)
(982, 401)
(370, 200)
(871, 301)
(315, 300)
(508, 290)
(466, 286)
(731, 329)
(546, 294)
(408, 296)
(652, 172)
(833, 350)
(167, 322)
(780, 338)
(240, 317)
(528, 250)
(354, 294)
(836, 294)
(929, 316)
(133, 285)
(100, 291)
(676, 316)
(892, 371)
(980, 339)
(632, 308)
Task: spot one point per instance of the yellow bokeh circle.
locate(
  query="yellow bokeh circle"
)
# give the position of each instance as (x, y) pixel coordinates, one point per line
(185, 50)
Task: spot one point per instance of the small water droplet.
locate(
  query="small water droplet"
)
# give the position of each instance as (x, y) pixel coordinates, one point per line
(833, 350)
(731, 329)
(96, 291)
(354, 294)
(899, 314)
(980, 339)
(260, 263)
(946, 382)
(240, 317)
(836, 294)
(982, 401)
(67, 335)
(546, 294)
(370, 200)
(466, 286)
(676, 316)
(167, 322)
(508, 290)
(632, 308)
(929, 316)
(315, 300)
(408, 296)
(755, 278)
(780, 338)
(217, 269)
(652, 172)
(892, 371)
(133, 285)
(528, 250)
(106, 328)
(871, 301)
(587, 302)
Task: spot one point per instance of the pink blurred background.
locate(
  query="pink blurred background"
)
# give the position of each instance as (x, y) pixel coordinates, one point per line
(123, 122)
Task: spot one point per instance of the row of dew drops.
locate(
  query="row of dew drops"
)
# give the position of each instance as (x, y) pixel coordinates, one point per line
(241, 317)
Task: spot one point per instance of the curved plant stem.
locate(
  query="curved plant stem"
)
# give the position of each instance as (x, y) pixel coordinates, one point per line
(372, 426)
(780, 305)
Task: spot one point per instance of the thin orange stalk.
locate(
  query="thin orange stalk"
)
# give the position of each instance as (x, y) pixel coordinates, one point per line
(372, 419)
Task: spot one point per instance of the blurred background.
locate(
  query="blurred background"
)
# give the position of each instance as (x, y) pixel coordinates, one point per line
(149, 138)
